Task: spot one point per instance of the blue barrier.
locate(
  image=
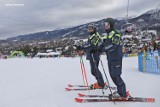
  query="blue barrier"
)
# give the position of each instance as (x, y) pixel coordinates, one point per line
(149, 62)
(140, 62)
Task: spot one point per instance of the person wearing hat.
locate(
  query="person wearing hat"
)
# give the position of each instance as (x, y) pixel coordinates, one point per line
(113, 49)
(93, 56)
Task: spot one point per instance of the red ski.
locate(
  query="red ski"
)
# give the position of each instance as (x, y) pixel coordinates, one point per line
(84, 95)
(84, 87)
(78, 89)
(70, 85)
(132, 99)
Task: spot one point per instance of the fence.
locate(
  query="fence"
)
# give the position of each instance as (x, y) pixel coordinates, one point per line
(149, 62)
(130, 55)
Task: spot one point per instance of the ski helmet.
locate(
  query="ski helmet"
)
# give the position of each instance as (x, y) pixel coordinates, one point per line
(91, 25)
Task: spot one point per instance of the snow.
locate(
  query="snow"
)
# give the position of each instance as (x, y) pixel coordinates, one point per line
(127, 36)
(84, 40)
(42, 82)
(47, 54)
(151, 11)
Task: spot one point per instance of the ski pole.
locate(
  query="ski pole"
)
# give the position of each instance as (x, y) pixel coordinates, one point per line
(81, 68)
(78, 53)
(84, 75)
(106, 78)
(84, 71)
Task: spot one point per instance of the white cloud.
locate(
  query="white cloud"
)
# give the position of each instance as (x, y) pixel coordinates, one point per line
(41, 15)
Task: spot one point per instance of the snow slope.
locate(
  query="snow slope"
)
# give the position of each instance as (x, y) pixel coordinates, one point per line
(41, 83)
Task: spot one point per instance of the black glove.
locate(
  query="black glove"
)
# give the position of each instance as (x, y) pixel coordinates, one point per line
(97, 50)
(78, 47)
(93, 51)
(99, 47)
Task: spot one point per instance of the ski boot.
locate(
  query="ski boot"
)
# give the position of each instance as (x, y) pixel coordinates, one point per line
(116, 96)
(96, 86)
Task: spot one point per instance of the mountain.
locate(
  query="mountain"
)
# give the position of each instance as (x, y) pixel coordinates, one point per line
(144, 21)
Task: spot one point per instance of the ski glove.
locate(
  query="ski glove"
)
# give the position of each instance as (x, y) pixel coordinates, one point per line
(78, 47)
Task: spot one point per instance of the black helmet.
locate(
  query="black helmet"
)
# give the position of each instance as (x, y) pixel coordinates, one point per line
(110, 21)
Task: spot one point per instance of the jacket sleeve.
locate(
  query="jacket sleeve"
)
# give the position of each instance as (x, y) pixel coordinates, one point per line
(91, 44)
(113, 45)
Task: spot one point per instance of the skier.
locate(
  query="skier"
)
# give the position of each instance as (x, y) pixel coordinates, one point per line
(112, 47)
(93, 56)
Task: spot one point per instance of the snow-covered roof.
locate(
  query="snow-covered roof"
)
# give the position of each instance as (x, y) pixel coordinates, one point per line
(127, 36)
(49, 50)
(50, 53)
(84, 40)
(147, 39)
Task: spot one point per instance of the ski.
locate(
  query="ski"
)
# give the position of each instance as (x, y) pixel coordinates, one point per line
(78, 87)
(84, 95)
(132, 99)
(87, 88)
(70, 85)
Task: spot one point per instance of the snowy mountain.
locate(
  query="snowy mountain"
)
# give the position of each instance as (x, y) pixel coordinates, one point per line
(144, 21)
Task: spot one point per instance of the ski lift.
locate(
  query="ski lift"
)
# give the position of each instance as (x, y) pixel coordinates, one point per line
(128, 28)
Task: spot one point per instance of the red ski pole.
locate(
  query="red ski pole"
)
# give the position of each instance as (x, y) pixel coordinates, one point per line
(84, 71)
(78, 52)
(84, 75)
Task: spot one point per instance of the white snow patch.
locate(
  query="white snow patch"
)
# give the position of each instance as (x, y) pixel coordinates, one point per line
(41, 83)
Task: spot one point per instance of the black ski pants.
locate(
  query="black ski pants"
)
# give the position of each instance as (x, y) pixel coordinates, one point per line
(96, 73)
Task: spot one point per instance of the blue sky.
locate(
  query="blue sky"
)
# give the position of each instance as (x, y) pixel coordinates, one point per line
(18, 17)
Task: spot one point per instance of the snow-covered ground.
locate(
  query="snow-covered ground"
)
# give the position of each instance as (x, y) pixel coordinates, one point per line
(41, 83)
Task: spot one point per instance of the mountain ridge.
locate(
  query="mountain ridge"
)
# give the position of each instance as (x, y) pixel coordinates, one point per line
(144, 21)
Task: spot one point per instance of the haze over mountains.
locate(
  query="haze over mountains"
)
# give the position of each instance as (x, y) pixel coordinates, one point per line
(147, 20)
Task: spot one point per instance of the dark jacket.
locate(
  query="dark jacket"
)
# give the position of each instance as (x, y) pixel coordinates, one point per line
(112, 45)
(91, 45)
